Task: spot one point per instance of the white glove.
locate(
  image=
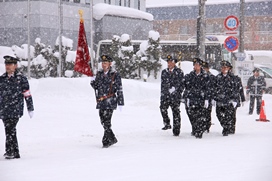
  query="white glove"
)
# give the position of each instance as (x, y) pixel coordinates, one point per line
(234, 104)
(213, 102)
(92, 79)
(172, 89)
(188, 102)
(120, 108)
(31, 114)
(206, 105)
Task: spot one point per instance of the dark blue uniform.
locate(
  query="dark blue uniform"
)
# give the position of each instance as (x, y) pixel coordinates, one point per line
(240, 99)
(172, 85)
(225, 94)
(209, 109)
(196, 93)
(109, 94)
(255, 87)
(13, 91)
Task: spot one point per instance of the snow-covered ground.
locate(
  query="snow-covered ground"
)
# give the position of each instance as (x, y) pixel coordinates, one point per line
(63, 140)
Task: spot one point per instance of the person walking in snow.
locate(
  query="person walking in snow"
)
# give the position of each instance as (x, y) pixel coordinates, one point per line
(197, 96)
(109, 93)
(14, 88)
(208, 111)
(226, 97)
(240, 101)
(172, 80)
(255, 88)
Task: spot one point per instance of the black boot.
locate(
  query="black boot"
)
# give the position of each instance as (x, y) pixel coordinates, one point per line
(166, 127)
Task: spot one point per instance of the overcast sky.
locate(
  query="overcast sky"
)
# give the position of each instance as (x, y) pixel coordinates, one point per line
(154, 3)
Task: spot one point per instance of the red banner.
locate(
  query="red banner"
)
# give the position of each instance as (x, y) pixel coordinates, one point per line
(82, 55)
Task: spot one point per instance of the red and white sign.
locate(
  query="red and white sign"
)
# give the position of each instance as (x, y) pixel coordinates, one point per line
(231, 43)
(231, 23)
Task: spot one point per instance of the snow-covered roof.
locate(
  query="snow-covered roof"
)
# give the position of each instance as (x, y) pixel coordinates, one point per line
(101, 9)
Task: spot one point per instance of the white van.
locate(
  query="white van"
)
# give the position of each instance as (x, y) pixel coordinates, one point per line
(267, 73)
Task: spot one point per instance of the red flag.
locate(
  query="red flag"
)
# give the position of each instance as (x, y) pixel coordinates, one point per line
(82, 54)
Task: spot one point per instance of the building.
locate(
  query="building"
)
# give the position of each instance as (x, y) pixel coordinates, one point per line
(179, 22)
(44, 21)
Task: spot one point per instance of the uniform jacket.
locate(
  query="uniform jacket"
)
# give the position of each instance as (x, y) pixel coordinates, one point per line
(239, 90)
(169, 80)
(102, 87)
(197, 88)
(226, 91)
(256, 85)
(13, 91)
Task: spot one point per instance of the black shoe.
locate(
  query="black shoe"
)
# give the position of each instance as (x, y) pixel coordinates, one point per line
(12, 156)
(110, 143)
(166, 127)
(198, 135)
(193, 133)
(250, 113)
(225, 134)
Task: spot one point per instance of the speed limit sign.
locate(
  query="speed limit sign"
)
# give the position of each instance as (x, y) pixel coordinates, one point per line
(231, 23)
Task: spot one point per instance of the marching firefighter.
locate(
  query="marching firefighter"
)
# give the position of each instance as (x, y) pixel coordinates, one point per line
(197, 96)
(14, 89)
(226, 97)
(109, 93)
(208, 111)
(172, 79)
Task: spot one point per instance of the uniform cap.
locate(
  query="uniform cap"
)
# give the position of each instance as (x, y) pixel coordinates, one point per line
(106, 58)
(197, 60)
(10, 59)
(170, 58)
(225, 63)
(256, 70)
(205, 65)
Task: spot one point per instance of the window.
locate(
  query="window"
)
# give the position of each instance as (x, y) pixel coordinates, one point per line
(127, 3)
(76, 1)
(118, 2)
(107, 1)
(265, 26)
(183, 30)
(137, 4)
(87, 1)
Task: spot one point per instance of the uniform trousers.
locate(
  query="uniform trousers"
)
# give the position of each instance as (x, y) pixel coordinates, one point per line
(175, 106)
(197, 117)
(225, 115)
(11, 135)
(105, 118)
(208, 115)
(252, 102)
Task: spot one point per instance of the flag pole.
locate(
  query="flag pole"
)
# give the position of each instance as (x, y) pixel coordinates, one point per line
(91, 22)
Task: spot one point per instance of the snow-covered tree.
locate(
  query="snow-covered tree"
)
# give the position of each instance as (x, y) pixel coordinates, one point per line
(67, 44)
(125, 64)
(149, 54)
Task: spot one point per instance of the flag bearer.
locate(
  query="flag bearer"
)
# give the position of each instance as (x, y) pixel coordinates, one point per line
(109, 93)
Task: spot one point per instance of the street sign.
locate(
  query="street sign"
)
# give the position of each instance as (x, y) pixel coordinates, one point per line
(231, 43)
(231, 23)
(240, 56)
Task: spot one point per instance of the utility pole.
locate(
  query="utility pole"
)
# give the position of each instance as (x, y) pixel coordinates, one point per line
(28, 39)
(242, 26)
(60, 39)
(92, 62)
(201, 30)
